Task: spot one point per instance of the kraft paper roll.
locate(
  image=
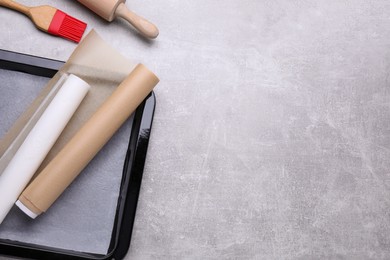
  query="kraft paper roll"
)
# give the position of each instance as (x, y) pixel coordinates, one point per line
(86, 143)
(39, 141)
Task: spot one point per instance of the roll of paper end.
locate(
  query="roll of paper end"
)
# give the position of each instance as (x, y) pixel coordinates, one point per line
(86, 143)
(39, 141)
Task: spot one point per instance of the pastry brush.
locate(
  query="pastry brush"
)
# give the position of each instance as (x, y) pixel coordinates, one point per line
(50, 20)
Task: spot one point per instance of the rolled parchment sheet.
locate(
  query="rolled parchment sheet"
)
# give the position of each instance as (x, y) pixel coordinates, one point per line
(8, 149)
(86, 143)
(39, 141)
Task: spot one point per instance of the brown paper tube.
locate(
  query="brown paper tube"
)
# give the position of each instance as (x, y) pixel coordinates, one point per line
(87, 142)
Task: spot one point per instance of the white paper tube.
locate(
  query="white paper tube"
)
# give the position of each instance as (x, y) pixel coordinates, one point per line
(39, 141)
(14, 146)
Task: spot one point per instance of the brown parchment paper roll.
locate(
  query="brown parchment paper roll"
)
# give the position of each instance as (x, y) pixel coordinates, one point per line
(101, 66)
(87, 142)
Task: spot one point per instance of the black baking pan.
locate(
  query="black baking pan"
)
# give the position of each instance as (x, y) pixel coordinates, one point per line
(131, 176)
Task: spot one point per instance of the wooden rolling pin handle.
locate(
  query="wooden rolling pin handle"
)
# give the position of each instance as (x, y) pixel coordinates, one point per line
(145, 27)
(15, 6)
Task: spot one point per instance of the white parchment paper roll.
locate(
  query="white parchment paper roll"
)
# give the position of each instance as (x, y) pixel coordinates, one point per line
(39, 141)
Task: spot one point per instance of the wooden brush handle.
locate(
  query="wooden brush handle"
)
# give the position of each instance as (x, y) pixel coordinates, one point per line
(15, 6)
(145, 27)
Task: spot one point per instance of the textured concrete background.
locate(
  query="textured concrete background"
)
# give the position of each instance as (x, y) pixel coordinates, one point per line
(271, 136)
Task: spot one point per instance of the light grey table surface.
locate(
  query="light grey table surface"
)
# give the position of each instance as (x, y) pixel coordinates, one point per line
(271, 137)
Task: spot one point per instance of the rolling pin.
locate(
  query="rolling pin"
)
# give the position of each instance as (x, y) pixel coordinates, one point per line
(110, 9)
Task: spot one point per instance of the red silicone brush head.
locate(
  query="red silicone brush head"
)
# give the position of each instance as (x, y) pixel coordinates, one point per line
(67, 26)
